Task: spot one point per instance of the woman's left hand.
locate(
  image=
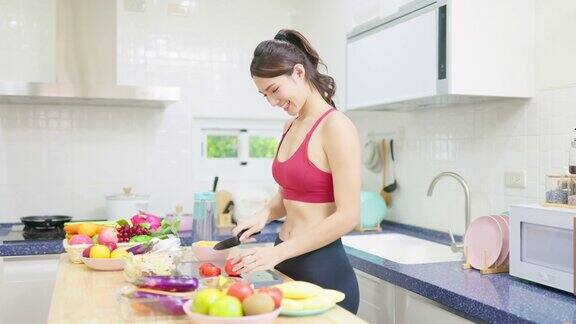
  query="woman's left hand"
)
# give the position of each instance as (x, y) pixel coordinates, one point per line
(256, 259)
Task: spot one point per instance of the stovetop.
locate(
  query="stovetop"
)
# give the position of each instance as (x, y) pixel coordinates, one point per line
(21, 233)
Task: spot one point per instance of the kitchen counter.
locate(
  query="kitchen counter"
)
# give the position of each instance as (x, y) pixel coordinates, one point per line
(491, 298)
(40, 247)
(81, 294)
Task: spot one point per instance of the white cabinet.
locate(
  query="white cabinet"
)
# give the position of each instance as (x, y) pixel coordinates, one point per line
(376, 299)
(26, 285)
(411, 308)
(385, 303)
(442, 52)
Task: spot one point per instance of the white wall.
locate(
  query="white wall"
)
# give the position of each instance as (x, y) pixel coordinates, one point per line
(65, 159)
(478, 141)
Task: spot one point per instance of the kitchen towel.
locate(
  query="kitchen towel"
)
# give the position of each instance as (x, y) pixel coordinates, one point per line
(371, 156)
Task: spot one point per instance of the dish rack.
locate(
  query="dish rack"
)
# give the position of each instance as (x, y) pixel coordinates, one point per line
(504, 267)
(360, 228)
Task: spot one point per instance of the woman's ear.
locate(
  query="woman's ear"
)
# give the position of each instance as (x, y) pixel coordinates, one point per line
(298, 72)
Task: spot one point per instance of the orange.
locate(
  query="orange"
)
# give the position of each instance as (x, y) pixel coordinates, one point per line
(71, 228)
(89, 229)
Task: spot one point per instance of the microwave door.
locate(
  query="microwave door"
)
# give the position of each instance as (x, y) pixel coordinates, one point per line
(547, 246)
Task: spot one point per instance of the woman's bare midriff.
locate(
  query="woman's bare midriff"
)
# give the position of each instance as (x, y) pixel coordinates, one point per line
(302, 216)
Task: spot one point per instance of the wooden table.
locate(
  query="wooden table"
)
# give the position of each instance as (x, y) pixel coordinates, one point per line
(83, 295)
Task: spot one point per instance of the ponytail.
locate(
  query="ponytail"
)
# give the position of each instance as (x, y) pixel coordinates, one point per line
(277, 57)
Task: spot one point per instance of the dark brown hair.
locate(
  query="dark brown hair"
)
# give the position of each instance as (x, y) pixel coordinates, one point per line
(277, 57)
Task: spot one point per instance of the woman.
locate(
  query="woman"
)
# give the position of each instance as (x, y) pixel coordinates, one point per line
(317, 166)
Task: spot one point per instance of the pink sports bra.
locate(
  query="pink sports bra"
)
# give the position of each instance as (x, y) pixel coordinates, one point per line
(299, 178)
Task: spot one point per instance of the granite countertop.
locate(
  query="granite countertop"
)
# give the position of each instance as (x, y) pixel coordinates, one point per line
(39, 247)
(493, 298)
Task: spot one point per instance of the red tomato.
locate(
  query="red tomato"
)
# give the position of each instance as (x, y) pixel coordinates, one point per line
(209, 270)
(273, 292)
(240, 290)
(228, 268)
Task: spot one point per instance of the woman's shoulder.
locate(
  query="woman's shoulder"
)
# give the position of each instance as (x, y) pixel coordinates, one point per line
(337, 122)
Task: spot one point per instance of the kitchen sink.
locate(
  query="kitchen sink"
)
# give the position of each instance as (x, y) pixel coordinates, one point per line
(401, 248)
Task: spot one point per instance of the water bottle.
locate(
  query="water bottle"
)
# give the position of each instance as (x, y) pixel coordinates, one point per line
(203, 215)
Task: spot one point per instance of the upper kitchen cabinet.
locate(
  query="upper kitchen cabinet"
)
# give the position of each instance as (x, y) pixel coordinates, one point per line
(66, 52)
(438, 53)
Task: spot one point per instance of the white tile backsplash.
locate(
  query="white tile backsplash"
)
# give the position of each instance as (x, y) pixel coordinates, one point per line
(66, 159)
(480, 142)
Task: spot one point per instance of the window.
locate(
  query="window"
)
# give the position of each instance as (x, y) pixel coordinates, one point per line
(241, 145)
(236, 153)
(263, 146)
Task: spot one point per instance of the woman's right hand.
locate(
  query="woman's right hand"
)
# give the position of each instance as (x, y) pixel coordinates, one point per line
(253, 224)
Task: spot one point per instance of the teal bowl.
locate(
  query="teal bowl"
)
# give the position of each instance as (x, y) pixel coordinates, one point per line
(372, 209)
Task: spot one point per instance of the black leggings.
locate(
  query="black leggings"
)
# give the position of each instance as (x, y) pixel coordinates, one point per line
(327, 267)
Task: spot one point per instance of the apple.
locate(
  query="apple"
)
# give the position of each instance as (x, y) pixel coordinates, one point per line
(240, 290)
(226, 306)
(86, 252)
(107, 235)
(80, 239)
(110, 245)
(204, 298)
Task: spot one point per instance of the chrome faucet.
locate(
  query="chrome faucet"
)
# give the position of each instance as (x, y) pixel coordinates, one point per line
(454, 246)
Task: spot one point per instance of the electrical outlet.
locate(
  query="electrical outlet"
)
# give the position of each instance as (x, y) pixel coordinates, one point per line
(515, 179)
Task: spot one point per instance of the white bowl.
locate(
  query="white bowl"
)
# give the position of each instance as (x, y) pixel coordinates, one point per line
(266, 318)
(105, 264)
(209, 254)
(75, 251)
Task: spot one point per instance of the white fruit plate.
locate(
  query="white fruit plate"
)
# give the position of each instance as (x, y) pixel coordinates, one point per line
(105, 264)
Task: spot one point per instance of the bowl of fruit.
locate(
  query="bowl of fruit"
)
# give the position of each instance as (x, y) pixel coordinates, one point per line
(238, 303)
(141, 228)
(83, 235)
(106, 257)
(204, 251)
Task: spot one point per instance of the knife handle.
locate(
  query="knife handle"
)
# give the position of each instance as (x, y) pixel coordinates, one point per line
(244, 230)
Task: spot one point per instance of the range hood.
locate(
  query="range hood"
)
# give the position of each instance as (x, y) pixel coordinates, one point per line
(86, 64)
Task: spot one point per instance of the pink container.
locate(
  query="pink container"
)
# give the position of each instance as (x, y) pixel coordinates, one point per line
(185, 221)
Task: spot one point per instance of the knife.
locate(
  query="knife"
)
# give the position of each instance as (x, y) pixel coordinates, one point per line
(231, 242)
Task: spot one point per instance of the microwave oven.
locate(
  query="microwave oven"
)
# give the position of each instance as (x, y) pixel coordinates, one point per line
(542, 245)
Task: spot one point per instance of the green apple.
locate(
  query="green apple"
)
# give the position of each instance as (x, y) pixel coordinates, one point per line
(95, 238)
(204, 298)
(226, 306)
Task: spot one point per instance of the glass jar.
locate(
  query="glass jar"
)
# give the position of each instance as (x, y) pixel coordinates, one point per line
(572, 190)
(559, 188)
(203, 215)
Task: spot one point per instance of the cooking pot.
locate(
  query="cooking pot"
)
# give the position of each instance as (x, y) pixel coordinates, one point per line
(126, 204)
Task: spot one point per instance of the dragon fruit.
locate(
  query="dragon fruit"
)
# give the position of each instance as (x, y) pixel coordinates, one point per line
(144, 218)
